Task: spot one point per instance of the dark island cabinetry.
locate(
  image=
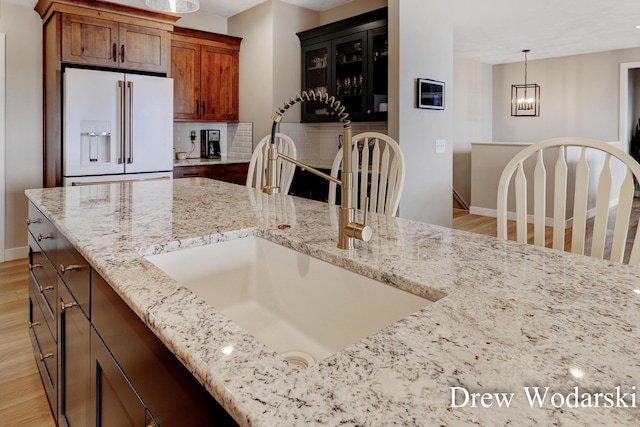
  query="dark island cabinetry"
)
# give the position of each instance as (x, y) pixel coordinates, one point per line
(99, 362)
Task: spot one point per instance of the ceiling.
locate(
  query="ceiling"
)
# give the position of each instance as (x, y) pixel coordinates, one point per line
(496, 31)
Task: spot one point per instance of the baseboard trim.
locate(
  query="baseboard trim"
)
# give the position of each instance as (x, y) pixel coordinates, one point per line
(493, 213)
(16, 253)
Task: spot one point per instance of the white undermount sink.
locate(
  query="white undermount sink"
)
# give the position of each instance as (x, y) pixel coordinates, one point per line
(303, 308)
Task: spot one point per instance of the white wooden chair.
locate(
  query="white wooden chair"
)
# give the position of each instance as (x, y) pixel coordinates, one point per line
(604, 193)
(257, 173)
(378, 172)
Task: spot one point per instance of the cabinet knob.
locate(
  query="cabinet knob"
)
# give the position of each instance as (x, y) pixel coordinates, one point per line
(69, 267)
(42, 237)
(45, 356)
(368, 111)
(32, 324)
(114, 52)
(34, 266)
(32, 221)
(64, 306)
(46, 288)
(122, 53)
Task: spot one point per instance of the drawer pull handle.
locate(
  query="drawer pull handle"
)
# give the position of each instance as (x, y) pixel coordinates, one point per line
(42, 237)
(45, 356)
(32, 324)
(46, 288)
(34, 266)
(32, 221)
(64, 269)
(64, 306)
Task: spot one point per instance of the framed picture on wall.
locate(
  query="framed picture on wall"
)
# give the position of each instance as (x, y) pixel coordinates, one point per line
(430, 94)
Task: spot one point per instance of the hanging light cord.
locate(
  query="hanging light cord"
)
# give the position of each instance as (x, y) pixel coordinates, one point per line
(525, 73)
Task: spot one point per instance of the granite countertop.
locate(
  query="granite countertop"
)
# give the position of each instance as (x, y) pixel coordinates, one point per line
(507, 317)
(205, 162)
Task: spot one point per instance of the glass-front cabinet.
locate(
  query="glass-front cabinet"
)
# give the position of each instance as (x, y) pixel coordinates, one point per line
(347, 60)
(316, 76)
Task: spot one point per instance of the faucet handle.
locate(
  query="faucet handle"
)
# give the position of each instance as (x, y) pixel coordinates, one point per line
(360, 231)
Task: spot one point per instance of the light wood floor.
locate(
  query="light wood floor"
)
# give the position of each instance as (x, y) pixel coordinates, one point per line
(22, 398)
(463, 220)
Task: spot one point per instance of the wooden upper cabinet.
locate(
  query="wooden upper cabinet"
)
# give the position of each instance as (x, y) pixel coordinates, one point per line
(89, 40)
(185, 70)
(205, 71)
(101, 42)
(144, 48)
(219, 84)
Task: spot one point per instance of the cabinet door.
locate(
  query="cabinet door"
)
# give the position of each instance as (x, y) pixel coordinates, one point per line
(116, 403)
(351, 73)
(219, 84)
(378, 72)
(75, 361)
(185, 70)
(87, 40)
(316, 63)
(44, 348)
(143, 48)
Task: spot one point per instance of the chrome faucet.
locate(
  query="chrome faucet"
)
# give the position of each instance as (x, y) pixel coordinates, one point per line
(348, 228)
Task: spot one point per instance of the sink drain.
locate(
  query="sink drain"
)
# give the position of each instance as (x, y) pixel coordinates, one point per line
(299, 359)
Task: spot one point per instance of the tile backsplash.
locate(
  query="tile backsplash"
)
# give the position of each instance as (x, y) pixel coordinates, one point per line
(317, 144)
(236, 139)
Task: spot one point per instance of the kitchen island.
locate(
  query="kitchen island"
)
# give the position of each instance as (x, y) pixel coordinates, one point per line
(507, 320)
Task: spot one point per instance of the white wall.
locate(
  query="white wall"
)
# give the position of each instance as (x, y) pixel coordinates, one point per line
(23, 133)
(421, 46)
(287, 56)
(255, 26)
(579, 97)
(353, 8)
(203, 21)
(2, 140)
(472, 115)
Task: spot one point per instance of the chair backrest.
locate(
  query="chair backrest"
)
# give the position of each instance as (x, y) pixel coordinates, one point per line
(378, 172)
(257, 173)
(605, 192)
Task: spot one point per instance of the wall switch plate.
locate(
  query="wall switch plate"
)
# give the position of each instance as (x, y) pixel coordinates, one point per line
(441, 145)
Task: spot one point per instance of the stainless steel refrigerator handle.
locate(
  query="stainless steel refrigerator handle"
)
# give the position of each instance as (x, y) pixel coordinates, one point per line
(130, 158)
(121, 119)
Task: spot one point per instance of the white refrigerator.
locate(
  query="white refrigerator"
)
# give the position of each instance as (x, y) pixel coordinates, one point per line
(116, 127)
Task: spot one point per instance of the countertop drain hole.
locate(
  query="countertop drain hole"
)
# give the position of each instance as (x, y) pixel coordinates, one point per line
(299, 359)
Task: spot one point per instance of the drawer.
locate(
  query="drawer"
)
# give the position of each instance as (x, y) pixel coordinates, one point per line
(45, 351)
(43, 232)
(192, 172)
(235, 173)
(43, 281)
(75, 272)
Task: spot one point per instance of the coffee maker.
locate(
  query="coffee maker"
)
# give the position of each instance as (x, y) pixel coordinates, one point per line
(210, 144)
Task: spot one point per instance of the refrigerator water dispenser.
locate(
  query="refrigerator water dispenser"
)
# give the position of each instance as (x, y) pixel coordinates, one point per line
(95, 146)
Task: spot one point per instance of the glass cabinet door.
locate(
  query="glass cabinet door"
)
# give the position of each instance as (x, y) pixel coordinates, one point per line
(379, 75)
(351, 73)
(315, 78)
(349, 61)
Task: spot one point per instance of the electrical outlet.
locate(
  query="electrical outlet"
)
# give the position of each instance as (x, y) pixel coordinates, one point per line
(441, 145)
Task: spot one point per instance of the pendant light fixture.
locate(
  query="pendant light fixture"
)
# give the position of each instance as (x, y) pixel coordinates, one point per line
(525, 99)
(174, 6)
